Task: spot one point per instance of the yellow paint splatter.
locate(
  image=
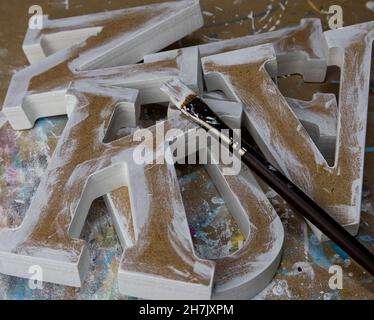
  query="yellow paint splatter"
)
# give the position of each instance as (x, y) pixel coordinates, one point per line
(314, 7)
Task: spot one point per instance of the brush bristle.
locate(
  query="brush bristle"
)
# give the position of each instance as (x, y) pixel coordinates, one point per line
(178, 92)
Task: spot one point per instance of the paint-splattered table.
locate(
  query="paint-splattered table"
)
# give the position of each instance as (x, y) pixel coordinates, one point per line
(303, 273)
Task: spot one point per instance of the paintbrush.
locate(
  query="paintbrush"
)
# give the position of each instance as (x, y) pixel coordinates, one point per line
(199, 112)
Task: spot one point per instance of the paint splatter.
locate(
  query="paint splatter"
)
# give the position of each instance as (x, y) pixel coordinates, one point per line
(370, 5)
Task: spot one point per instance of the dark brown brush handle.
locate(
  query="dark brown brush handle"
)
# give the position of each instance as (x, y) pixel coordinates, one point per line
(309, 209)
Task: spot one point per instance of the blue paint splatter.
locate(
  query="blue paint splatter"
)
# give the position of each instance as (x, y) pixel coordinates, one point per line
(366, 237)
(19, 290)
(188, 178)
(335, 81)
(339, 250)
(210, 184)
(369, 149)
(317, 253)
(108, 257)
(334, 295)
